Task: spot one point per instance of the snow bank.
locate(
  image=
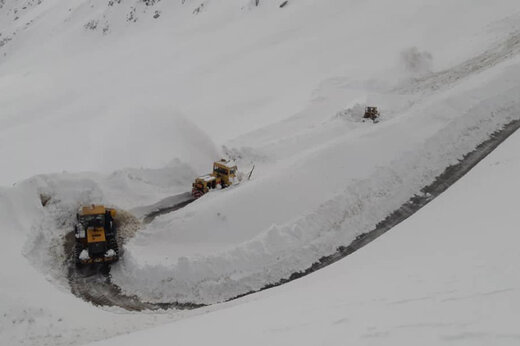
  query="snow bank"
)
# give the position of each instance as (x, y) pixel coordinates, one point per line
(56, 199)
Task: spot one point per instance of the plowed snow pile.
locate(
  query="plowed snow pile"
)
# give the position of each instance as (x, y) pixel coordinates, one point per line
(130, 100)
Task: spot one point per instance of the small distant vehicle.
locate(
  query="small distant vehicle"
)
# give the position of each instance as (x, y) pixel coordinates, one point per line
(223, 175)
(372, 113)
(96, 236)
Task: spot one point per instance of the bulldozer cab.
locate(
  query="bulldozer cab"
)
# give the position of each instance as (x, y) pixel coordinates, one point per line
(93, 221)
(95, 210)
(95, 216)
(93, 227)
(224, 172)
(222, 169)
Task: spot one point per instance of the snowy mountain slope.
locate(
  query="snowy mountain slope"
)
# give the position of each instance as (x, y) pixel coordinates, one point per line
(316, 200)
(258, 68)
(446, 276)
(156, 98)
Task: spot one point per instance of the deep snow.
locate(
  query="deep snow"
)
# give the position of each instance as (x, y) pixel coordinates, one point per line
(148, 104)
(448, 275)
(93, 91)
(317, 198)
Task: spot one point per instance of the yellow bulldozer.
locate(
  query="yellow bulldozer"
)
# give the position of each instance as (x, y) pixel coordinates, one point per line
(96, 236)
(223, 175)
(372, 113)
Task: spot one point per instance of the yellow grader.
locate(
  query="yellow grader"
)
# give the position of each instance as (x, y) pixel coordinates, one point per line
(223, 175)
(95, 234)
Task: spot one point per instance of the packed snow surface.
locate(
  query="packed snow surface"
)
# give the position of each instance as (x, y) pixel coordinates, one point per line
(124, 103)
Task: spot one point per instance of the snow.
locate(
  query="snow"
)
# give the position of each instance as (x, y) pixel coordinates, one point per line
(446, 276)
(109, 104)
(110, 253)
(37, 308)
(243, 250)
(174, 81)
(207, 178)
(84, 255)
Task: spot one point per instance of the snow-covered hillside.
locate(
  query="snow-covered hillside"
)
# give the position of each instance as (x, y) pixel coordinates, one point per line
(124, 102)
(447, 276)
(68, 93)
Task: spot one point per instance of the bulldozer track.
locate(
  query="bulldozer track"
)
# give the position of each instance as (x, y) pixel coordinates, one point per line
(93, 284)
(151, 216)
